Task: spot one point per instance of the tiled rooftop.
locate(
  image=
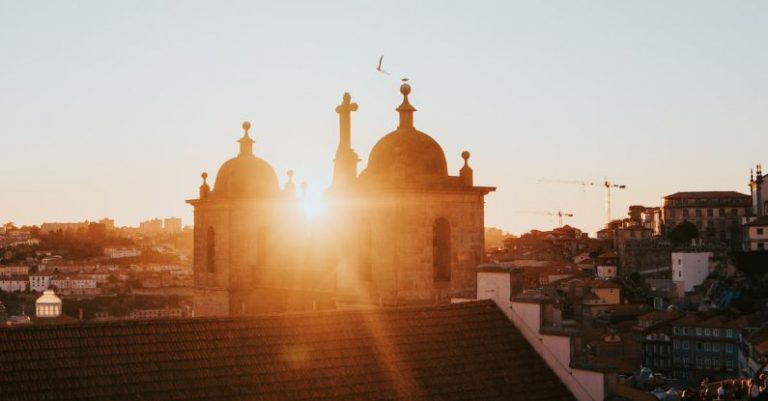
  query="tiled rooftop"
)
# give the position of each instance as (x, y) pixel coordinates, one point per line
(453, 352)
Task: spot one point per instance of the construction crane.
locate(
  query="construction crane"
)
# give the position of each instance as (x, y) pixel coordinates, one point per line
(559, 214)
(606, 184)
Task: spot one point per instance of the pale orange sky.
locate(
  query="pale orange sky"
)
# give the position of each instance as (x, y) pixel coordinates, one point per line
(114, 109)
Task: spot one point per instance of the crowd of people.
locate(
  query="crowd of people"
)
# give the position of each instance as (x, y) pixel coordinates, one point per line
(731, 389)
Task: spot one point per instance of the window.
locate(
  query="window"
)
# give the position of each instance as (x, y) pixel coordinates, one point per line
(759, 231)
(698, 331)
(685, 344)
(734, 212)
(676, 344)
(761, 245)
(729, 348)
(210, 251)
(721, 212)
(707, 332)
(710, 212)
(698, 212)
(708, 347)
(685, 212)
(716, 332)
(441, 250)
(729, 333)
(716, 347)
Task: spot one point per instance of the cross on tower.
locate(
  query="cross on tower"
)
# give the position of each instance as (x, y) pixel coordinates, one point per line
(345, 110)
(345, 169)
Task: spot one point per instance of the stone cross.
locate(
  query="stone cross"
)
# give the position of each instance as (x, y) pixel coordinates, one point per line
(345, 110)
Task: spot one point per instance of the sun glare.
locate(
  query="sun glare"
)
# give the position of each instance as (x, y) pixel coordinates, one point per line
(312, 207)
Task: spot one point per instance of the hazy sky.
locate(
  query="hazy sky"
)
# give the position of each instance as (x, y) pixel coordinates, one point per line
(115, 108)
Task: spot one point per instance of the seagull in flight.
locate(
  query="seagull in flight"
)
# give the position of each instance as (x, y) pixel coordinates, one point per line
(379, 66)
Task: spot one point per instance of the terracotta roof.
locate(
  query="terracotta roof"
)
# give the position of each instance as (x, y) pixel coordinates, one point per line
(759, 340)
(601, 284)
(452, 352)
(706, 195)
(661, 315)
(760, 221)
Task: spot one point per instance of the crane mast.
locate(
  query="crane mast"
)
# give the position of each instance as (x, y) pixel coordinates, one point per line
(607, 184)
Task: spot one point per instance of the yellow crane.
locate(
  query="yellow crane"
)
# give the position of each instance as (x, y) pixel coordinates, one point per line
(606, 184)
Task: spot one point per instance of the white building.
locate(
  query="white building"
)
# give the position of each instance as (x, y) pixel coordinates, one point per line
(119, 252)
(689, 269)
(48, 305)
(39, 282)
(13, 284)
(607, 265)
(73, 282)
(757, 234)
(528, 313)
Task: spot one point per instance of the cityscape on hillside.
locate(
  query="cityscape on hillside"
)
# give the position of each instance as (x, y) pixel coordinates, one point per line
(336, 201)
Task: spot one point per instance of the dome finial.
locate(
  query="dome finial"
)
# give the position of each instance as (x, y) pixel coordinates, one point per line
(246, 143)
(405, 109)
(204, 189)
(465, 155)
(466, 172)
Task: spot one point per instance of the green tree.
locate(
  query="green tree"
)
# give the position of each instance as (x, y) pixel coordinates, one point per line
(683, 233)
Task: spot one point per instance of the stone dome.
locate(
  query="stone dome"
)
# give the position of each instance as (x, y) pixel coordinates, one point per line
(245, 176)
(406, 154)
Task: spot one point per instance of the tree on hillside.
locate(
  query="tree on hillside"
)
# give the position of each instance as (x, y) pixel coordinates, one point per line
(683, 233)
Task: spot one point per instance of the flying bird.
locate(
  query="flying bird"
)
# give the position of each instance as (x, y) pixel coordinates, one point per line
(378, 68)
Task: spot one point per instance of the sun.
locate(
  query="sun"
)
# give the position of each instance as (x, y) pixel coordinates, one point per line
(313, 207)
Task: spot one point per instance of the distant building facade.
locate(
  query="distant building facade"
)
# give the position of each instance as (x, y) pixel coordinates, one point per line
(40, 282)
(704, 347)
(756, 234)
(8, 271)
(172, 225)
(121, 252)
(13, 283)
(716, 214)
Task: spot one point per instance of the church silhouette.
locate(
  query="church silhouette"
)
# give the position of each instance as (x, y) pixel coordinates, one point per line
(401, 232)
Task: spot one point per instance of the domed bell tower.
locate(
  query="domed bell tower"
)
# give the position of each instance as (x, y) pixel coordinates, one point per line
(232, 225)
(417, 231)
